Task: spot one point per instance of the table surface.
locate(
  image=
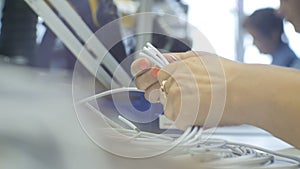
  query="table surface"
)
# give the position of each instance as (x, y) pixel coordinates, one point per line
(39, 127)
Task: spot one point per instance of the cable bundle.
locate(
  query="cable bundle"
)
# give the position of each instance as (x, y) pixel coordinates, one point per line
(190, 149)
(208, 154)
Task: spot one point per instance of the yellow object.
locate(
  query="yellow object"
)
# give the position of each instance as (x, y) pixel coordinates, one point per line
(126, 8)
(128, 21)
(94, 4)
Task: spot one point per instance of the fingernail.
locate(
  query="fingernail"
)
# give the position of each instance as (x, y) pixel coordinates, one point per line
(174, 58)
(154, 96)
(170, 58)
(143, 64)
(154, 72)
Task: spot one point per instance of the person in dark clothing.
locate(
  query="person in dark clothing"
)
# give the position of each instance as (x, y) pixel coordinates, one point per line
(96, 14)
(18, 31)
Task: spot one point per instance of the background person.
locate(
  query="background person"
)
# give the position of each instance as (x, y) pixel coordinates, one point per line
(266, 28)
(261, 95)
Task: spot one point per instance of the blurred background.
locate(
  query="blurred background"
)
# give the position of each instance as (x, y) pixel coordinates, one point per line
(38, 124)
(221, 24)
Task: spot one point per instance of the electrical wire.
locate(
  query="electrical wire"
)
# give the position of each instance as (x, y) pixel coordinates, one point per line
(210, 153)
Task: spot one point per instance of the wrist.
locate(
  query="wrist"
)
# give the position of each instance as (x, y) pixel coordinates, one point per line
(244, 83)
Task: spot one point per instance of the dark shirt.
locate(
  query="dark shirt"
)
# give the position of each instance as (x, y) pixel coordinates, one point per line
(284, 56)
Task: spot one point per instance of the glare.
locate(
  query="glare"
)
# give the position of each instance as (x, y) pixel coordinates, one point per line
(216, 22)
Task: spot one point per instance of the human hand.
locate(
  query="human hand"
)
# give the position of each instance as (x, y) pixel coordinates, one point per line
(188, 85)
(146, 72)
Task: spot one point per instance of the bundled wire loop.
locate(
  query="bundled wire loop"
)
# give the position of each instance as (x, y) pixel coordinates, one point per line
(190, 147)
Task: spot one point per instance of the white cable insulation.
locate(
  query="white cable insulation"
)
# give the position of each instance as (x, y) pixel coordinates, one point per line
(157, 63)
(127, 122)
(109, 92)
(230, 155)
(164, 60)
(151, 53)
(211, 153)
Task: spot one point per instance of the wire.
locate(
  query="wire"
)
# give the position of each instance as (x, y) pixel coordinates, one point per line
(210, 153)
(109, 92)
(157, 53)
(128, 123)
(153, 54)
(157, 63)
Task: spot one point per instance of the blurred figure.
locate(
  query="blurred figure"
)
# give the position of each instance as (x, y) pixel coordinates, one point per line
(266, 28)
(96, 14)
(18, 31)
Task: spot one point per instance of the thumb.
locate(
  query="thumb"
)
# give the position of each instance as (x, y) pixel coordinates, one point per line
(172, 57)
(141, 65)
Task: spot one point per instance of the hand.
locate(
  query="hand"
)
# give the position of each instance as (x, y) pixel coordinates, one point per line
(189, 85)
(146, 75)
(260, 95)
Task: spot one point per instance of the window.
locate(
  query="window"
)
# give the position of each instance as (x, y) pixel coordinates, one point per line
(216, 19)
(252, 55)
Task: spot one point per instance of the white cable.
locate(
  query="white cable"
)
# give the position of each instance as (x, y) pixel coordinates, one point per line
(152, 54)
(158, 54)
(196, 138)
(131, 125)
(210, 153)
(190, 135)
(110, 122)
(225, 154)
(158, 64)
(109, 92)
(267, 151)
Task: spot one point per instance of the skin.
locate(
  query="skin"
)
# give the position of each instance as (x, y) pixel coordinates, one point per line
(290, 10)
(265, 44)
(261, 95)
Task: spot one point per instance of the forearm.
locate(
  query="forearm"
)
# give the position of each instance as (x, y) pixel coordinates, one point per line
(267, 97)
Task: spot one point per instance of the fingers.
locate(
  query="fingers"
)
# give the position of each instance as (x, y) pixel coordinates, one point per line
(174, 108)
(166, 72)
(146, 79)
(141, 65)
(172, 57)
(184, 76)
(180, 86)
(171, 98)
(152, 93)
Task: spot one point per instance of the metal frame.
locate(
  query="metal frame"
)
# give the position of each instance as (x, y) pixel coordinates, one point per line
(240, 50)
